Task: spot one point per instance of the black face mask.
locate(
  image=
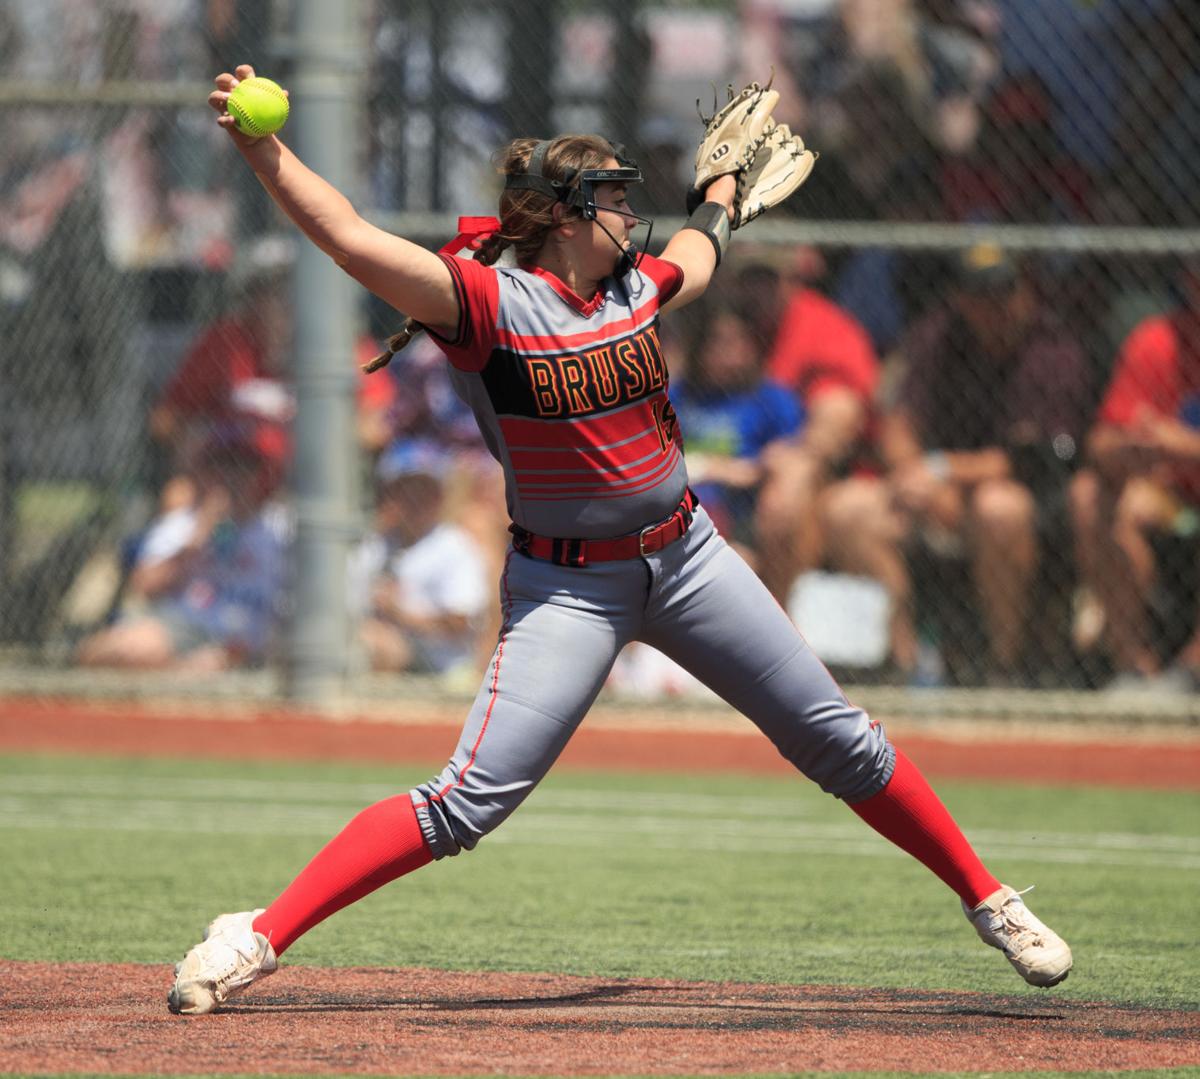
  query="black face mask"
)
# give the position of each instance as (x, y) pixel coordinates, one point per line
(629, 258)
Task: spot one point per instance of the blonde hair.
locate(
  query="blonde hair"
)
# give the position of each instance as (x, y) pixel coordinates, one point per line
(526, 217)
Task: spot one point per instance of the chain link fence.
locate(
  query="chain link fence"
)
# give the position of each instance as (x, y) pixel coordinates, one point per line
(947, 399)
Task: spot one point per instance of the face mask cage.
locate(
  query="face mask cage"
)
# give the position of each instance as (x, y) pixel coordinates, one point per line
(578, 190)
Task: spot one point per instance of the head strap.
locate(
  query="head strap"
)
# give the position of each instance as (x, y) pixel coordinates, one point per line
(533, 179)
(577, 188)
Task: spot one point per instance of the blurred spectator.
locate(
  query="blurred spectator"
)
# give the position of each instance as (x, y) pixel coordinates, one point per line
(413, 398)
(825, 359)
(1017, 170)
(730, 414)
(206, 589)
(437, 69)
(163, 195)
(417, 583)
(979, 441)
(877, 161)
(1156, 163)
(1075, 51)
(880, 87)
(872, 286)
(1142, 503)
(239, 372)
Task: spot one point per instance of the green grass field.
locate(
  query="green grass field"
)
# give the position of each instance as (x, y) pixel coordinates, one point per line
(694, 877)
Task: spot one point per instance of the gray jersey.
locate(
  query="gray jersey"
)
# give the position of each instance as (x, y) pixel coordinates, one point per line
(571, 396)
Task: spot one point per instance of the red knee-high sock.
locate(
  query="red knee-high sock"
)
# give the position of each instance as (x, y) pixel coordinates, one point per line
(382, 843)
(908, 813)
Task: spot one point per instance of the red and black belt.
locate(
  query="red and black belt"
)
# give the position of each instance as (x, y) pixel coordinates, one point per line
(580, 552)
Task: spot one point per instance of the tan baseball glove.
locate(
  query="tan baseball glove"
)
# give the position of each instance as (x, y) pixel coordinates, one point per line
(743, 139)
(732, 134)
(779, 166)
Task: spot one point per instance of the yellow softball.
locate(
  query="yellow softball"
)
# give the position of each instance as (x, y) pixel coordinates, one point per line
(259, 106)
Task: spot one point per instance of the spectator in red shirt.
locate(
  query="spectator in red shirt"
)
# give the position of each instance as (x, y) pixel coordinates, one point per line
(1145, 449)
(826, 359)
(237, 374)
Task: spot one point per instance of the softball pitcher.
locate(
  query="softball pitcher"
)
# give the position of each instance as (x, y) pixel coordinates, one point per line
(560, 360)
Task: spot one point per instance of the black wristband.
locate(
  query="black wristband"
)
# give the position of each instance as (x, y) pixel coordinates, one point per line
(712, 219)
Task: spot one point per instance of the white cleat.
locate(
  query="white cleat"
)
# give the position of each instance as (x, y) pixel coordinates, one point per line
(1039, 954)
(236, 923)
(230, 958)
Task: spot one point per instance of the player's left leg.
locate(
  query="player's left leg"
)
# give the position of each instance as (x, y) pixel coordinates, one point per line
(556, 645)
(711, 614)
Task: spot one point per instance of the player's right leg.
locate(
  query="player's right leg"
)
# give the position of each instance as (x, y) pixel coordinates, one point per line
(557, 643)
(561, 631)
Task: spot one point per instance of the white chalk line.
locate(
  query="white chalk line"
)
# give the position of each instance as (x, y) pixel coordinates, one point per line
(668, 821)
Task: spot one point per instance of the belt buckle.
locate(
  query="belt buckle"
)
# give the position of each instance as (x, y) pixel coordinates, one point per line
(681, 517)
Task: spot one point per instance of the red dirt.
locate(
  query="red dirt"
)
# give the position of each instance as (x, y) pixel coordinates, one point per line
(80, 1018)
(429, 733)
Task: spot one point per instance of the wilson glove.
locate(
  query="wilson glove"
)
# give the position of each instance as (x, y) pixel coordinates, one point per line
(742, 139)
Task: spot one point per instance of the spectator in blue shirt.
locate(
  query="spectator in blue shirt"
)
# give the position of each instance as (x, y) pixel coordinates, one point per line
(729, 413)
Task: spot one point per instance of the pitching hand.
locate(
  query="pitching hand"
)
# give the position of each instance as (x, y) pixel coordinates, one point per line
(218, 100)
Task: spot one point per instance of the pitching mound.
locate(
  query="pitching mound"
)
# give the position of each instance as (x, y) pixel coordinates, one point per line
(91, 1018)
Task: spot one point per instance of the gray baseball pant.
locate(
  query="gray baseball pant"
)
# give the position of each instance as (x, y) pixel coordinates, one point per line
(696, 601)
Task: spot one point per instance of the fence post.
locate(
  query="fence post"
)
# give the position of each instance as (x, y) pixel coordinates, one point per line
(325, 127)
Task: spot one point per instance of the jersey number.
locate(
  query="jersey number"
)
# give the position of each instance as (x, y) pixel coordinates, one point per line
(667, 424)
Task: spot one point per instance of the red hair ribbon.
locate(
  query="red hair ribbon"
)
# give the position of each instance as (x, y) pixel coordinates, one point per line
(472, 231)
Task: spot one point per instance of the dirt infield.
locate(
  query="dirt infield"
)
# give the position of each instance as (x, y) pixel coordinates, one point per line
(426, 734)
(77, 1018)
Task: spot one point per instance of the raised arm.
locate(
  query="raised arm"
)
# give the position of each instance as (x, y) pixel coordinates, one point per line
(693, 252)
(407, 276)
(746, 163)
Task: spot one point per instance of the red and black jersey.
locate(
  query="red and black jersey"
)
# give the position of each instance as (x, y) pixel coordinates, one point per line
(571, 395)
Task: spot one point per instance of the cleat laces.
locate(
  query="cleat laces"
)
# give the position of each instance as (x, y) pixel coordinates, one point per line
(1014, 922)
(236, 966)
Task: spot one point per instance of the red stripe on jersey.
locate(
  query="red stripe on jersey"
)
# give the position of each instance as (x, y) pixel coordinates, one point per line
(579, 432)
(600, 487)
(596, 496)
(623, 472)
(569, 342)
(615, 457)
